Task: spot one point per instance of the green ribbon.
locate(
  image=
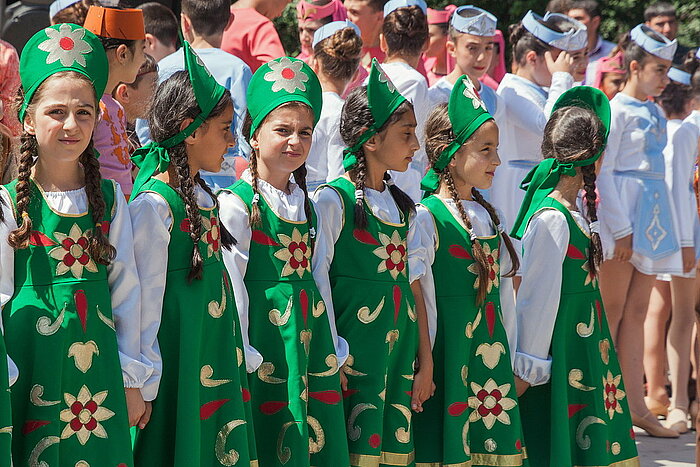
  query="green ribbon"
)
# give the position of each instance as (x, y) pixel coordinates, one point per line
(350, 154)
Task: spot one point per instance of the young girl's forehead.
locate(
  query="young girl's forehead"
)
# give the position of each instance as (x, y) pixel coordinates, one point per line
(65, 87)
(291, 111)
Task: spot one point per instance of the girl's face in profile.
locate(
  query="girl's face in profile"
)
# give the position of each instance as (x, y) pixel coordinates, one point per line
(474, 164)
(395, 146)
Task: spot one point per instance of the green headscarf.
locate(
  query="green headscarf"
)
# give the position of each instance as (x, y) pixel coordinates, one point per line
(279, 81)
(62, 47)
(154, 157)
(467, 113)
(543, 178)
(383, 99)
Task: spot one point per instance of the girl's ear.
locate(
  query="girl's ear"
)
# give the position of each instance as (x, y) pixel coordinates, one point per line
(254, 143)
(372, 143)
(451, 48)
(635, 66)
(382, 43)
(315, 65)
(193, 137)
(29, 125)
(531, 57)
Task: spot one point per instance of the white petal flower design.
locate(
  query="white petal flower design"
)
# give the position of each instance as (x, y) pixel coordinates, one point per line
(383, 78)
(72, 253)
(295, 253)
(392, 254)
(286, 74)
(65, 45)
(490, 403)
(471, 93)
(84, 414)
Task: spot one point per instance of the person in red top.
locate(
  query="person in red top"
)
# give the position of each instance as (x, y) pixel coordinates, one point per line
(252, 36)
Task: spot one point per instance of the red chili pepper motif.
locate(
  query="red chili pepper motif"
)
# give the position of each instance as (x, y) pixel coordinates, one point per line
(31, 425)
(397, 302)
(327, 397)
(457, 408)
(246, 394)
(574, 408)
(304, 301)
(519, 445)
(208, 409)
(375, 440)
(261, 238)
(81, 306)
(364, 236)
(574, 253)
(458, 251)
(272, 407)
(349, 393)
(37, 238)
(490, 317)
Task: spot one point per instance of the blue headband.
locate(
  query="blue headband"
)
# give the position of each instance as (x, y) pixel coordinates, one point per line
(665, 49)
(59, 5)
(679, 76)
(392, 5)
(481, 24)
(573, 39)
(327, 30)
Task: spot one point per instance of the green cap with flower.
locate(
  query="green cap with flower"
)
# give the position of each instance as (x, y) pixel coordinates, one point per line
(279, 81)
(154, 157)
(383, 99)
(467, 113)
(63, 47)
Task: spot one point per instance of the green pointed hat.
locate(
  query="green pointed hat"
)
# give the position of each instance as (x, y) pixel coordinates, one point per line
(279, 81)
(383, 99)
(467, 113)
(543, 178)
(154, 157)
(63, 47)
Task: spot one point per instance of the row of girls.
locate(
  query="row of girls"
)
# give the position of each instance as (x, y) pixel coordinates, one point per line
(256, 326)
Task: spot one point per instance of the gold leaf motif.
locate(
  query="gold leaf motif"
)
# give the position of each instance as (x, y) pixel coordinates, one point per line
(382, 394)
(366, 317)
(280, 319)
(408, 377)
(604, 346)
(411, 312)
(491, 354)
(104, 319)
(317, 430)
(471, 327)
(354, 431)
(403, 435)
(35, 397)
(284, 453)
(265, 371)
(349, 370)
(464, 373)
(40, 447)
(391, 338)
(82, 353)
(45, 327)
(205, 375)
(6, 430)
(584, 330)
(332, 363)
(305, 393)
(216, 310)
(575, 378)
(227, 458)
(583, 440)
(465, 438)
(305, 338)
(239, 356)
(319, 309)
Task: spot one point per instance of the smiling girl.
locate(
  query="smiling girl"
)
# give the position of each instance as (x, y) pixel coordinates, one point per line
(68, 278)
(294, 380)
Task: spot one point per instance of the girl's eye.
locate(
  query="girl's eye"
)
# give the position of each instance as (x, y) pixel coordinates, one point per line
(84, 112)
(55, 112)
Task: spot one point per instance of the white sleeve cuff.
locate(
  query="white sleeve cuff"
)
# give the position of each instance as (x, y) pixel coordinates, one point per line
(12, 370)
(253, 358)
(135, 373)
(532, 369)
(342, 351)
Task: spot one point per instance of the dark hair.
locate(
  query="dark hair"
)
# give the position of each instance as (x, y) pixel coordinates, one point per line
(659, 9)
(356, 117)
(149, 66)
(174, 102)
(574, 134)
(559, 6)
(208, 17)
(438, 135)
(99, 248)
(695, 80)
(75, 13)
(377, 5)
(299, 174)
(591, 7)
(524, 41)
(160, 22)
(405, 31)
(340, 54)
(676, 95)
(631, 51)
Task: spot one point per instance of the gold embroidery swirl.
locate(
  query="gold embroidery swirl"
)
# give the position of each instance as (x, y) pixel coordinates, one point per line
(227, 458)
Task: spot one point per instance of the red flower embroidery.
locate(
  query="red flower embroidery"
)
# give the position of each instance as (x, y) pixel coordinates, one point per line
(392, 252)
(84, 414)
(295, 252)
(72, 253)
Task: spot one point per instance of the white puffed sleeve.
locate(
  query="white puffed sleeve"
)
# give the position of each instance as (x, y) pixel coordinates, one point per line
(507, 295)
(544, 247)
(7, 270)
(681, 151)
(234, 215)
(151, 221)
(420, 264)
(125, 290)
(561, 82)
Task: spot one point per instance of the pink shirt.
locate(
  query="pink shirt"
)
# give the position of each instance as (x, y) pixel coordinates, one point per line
(112, 142)
(252, 38)
(9, 84)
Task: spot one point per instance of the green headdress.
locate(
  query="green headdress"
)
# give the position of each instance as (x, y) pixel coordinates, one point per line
(543, 178)
(63, 47)
(154, 157)
(279, 81)
(467, 113)
(383, 99)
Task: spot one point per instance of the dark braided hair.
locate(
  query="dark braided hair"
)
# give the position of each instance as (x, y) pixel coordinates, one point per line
(98, 244)
(174, 102)
(19, 238)
(438, 135)
(357, 117)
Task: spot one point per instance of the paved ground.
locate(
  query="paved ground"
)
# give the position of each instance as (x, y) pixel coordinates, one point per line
(655, 452)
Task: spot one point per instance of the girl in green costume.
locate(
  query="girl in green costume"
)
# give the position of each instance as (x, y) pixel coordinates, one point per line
(294, 380)
(572, 396)
(465, 263)
(367, 230)
(70, 291)
(200, 401)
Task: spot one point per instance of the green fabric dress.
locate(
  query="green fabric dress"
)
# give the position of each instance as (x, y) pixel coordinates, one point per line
(5, 411)
(68, 405)
(296, 390)
(580, 417)
(375, 313)
(201, 415)
(473, 419)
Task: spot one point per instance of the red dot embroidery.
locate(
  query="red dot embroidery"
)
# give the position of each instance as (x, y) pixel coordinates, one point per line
(287, 73)
(66, 43)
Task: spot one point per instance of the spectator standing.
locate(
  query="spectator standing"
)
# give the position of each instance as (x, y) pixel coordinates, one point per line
(161, 30)
(588, 13)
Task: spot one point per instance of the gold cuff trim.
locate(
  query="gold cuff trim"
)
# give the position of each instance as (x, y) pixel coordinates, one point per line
(634, 462)
(386, 458)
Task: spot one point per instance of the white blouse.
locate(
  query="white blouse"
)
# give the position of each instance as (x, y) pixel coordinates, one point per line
(122, 277)
(545, 243)
(325, 161)
(421, 259)
(236, 218)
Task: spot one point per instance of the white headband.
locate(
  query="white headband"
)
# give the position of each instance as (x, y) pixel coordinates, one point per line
(679, 76)
(392, 5)
(665, 49)
(59, 5)
(481, 24)
(327, 30)
(573, 39)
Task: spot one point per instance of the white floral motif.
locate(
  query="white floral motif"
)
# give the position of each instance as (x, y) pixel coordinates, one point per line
(65, 45)
(383, 78)
(471, 93)
(286, 74)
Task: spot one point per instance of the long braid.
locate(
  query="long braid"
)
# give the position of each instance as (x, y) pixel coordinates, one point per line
(359, 176)
(227, 240)
(595, 251)
(477, 250)
(98, 244)
(19, 238)
(402, 200)
(514, 261)
(178, 155)
(300, 179)
(255, 216)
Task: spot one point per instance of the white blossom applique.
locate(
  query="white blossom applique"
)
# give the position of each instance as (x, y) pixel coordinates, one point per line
(72, 254)
(295, 252)
(471, 93)
(65, 45)
(286, 75)
(392, 254)
(84, 414)
(384, 78)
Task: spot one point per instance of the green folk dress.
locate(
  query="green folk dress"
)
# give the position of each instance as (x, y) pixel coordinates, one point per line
(201, 415)
(580, 417)
(68, 405)
(297, 403)
(473, 419)
(5, 410)
(375, 313)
